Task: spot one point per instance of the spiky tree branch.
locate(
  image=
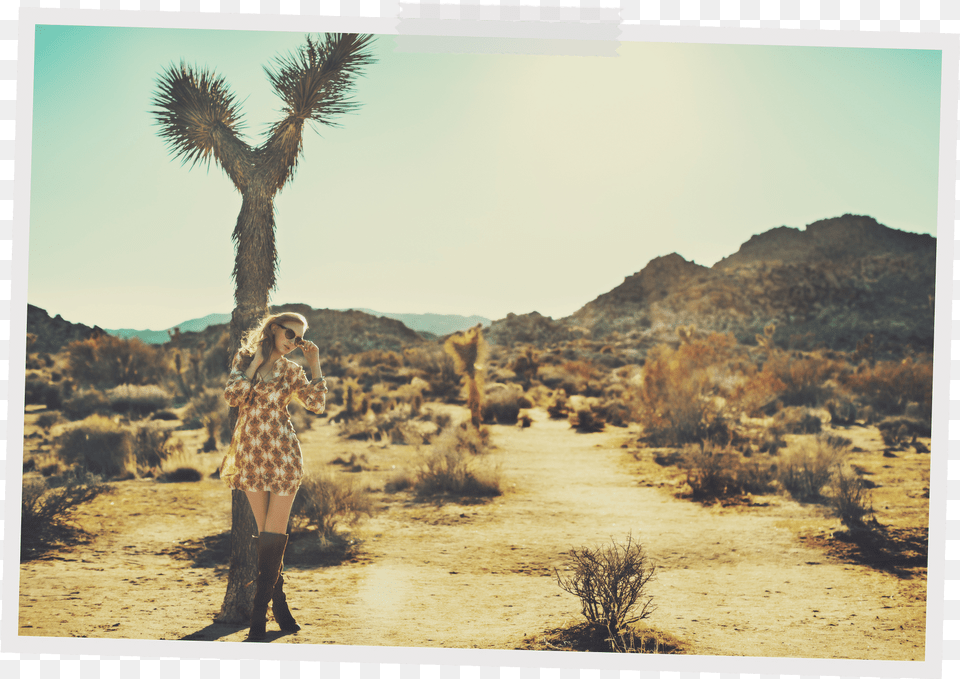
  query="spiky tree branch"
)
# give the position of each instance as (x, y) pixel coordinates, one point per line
(200, 119)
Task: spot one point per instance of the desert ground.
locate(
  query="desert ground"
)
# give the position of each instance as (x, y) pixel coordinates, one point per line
(752, 576)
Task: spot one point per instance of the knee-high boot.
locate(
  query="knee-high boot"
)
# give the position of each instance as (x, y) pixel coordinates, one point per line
(281, 612)
(270, 548)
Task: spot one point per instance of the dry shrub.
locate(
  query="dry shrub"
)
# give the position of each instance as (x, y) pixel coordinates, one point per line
(587, 418)
(502, 404)
(457, 466)
(437, 368)
(897, 431)
(805, 468)
(803, 377)
(682, 394)
(154, 445)
(843, 411)
(108, 361)
(610, 582)
(716, 472)
(850, 498)
(573, 377)
(888, 386)
(99, 446)
(797, 420)
(138, 400)
(84, 403)
(47, 506)
(325, 502)
(559, 407)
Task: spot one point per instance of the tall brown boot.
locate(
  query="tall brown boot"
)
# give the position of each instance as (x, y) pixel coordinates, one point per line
(270, 548)
(281, 612)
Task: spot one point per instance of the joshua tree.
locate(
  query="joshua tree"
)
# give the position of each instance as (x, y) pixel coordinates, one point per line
(200, 119)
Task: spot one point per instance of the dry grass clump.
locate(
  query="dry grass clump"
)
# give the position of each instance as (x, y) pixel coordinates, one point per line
(457, 465)
(326, 502)
(587, 417)
(850, 497)
(714, 471)
(807, 467)
(611, 582)
(584, 637)
(84, 403)
(107, 448)
(436, 368)
(100, 446)
(135, 400)
(502, 404)
(47, 506)
(798, 420)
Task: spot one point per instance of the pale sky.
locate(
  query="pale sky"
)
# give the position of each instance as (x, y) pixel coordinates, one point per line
(466, 183)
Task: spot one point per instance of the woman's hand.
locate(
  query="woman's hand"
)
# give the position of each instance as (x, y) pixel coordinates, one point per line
(311, 352)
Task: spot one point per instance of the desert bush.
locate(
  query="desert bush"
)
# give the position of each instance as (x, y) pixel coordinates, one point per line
(681, 397)
(106, 361)
(807, 467)
(502, 405)
(611, 582)
(84, 403)
(456, 465)
(138, 400)
(153, 446)
(47, 505)
(559, 407)
(719, 471)
(586, 418)
(888, 386)
(797, 420)
(896, 431)
(804, 378)
(99, 446)
(437, 368)
(325, 502)
(525, 366)
(574, 377)
(203, 405)
(39, 391)
(850, 497)
(843, 411)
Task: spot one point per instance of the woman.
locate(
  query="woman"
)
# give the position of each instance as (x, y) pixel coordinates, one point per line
(266, 462)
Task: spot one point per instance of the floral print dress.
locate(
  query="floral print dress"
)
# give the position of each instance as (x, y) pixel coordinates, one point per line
(265, 450)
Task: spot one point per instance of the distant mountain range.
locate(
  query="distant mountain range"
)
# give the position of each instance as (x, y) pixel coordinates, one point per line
(828, 285)
(436, 325)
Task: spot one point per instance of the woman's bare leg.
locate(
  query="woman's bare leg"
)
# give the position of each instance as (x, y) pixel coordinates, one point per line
(278, 513)
(259, 502)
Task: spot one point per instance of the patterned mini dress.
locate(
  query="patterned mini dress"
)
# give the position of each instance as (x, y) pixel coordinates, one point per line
(266, 451)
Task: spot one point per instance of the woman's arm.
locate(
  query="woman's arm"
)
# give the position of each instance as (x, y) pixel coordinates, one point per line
(241, 381)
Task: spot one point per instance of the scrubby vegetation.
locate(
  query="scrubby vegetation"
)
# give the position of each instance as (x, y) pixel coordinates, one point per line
(611, 583)
(47, 506)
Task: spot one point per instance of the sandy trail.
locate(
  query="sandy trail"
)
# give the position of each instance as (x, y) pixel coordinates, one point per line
(734, 581)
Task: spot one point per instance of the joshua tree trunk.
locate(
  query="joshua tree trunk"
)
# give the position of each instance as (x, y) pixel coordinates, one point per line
(255, 274)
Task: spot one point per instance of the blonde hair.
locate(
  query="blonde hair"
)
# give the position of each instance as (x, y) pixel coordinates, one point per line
(259, 336)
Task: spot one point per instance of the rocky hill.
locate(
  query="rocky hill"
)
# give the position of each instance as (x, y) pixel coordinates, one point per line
(48, 335)
(829, 285)
(344, 331)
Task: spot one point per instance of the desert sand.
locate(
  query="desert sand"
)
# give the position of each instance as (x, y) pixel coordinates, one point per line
(762, 576)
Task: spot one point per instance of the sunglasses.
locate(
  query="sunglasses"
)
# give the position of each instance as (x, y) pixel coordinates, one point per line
(291, 335)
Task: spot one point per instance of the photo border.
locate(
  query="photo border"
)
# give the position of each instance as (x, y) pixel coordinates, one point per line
(410, 23)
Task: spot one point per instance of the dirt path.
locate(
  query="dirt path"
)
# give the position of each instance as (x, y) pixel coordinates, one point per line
(732, 581)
